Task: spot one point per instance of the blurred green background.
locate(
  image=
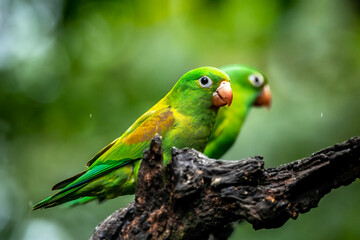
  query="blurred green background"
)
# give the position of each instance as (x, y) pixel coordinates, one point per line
(75, 74)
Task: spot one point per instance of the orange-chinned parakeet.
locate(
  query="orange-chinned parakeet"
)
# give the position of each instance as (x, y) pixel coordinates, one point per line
(250, 88)
(185, 117)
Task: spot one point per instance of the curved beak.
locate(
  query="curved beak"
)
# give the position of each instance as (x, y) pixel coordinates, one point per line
(223, 95)
(264, 98)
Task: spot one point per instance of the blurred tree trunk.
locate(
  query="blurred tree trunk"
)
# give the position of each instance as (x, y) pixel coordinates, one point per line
(198, 198)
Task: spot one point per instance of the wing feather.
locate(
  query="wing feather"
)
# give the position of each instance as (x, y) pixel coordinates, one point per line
(128, 148)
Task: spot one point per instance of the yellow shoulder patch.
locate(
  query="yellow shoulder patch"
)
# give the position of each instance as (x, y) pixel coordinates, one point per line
(160, 122)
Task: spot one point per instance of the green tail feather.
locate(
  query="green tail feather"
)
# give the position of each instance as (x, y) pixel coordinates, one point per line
(69, 192)
(67, 181)
(57, 199)
(79, 201)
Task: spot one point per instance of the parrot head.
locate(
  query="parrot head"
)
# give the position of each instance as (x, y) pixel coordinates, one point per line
(249, 85)
(205, 87)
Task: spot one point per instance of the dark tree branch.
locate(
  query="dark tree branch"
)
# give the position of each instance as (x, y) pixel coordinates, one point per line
(197, 196)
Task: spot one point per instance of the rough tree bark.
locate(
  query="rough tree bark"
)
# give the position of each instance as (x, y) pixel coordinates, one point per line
(196, 197)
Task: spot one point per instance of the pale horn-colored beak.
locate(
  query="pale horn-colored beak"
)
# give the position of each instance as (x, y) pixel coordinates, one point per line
(264, 98)
(223, 95)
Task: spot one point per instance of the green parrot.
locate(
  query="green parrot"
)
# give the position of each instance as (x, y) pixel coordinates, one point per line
(185, 117)
(250, 88)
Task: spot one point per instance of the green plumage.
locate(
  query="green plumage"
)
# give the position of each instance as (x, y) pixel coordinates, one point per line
(185, 117)
(230, 119)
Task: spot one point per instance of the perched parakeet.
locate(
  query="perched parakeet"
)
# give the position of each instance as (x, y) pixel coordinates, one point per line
(250, 88)
(185, 117)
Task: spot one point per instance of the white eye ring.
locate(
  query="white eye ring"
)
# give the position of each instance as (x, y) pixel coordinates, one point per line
(256, 79)
(205, 81)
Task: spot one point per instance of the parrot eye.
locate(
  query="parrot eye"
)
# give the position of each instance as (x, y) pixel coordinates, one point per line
(205, 81)
(256, 80)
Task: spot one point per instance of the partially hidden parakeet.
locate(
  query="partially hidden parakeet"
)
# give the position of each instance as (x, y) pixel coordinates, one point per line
(250, 88)
(185, 117)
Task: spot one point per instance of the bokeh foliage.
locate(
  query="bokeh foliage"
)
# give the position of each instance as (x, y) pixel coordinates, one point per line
(75, 74)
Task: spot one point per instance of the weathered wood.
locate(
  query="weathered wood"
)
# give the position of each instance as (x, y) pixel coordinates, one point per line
(196, 196)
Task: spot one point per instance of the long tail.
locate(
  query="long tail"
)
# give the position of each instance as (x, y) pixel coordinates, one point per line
(71, 191)
(57, 199)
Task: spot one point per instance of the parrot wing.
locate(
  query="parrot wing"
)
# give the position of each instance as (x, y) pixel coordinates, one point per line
(124, 150)
(129, 147)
